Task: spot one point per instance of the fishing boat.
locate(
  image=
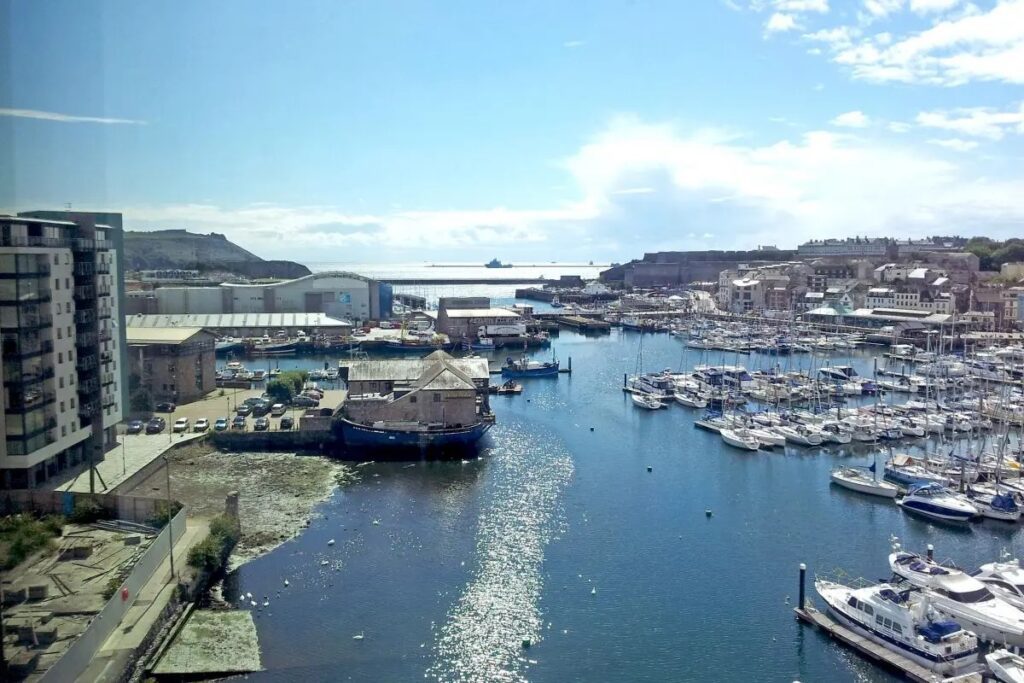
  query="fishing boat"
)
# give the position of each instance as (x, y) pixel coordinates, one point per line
(411, 434)
(740, 438)
(901, 621)
(525, 367)
(509, 387)
(937, 502)
(962, 597)
(646, 401)
(862, 480)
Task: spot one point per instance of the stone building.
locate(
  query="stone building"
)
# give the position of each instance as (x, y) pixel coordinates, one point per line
(175, 364)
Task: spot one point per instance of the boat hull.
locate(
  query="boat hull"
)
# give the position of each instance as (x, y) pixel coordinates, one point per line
(532, 372)
(935, 512)
(862, 487)
(364, 436)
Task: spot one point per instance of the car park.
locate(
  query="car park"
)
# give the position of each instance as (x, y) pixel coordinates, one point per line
(156, 425)
(244, 410)
(221, 424)
(165, 407)
(278, 409)
(262, 424)
(238, 423)
(135, 427)
(286, 424)
(201, 425)
(180, 425)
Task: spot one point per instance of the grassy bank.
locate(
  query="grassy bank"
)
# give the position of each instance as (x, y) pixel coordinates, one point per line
(23, 535)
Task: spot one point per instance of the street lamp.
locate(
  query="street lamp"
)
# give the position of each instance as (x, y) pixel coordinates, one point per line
(170, 530)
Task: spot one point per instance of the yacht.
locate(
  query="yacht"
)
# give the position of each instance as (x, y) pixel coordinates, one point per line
(1006, 666)
(936, 501)
(690, 400)
(963, 598)
(863, 481)
(994, 505)
(800, 434)
(1005, 579)
(647, 401)
(740, 438)
(905, 470)
(768, 437)
(862, 428)
(904, 622)
(834, 431)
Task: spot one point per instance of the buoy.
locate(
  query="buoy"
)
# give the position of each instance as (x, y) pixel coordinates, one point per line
(526, 643)
(707, 512)
(330, 542)
(591, 429)
(650, 469)
(286, 582)
(593, 591)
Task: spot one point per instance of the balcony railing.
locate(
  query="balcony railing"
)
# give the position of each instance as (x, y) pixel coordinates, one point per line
(38, 270)
(88, 386)
(105, 314)
(84, 268)
(84, 363)
(103, 290)
(109, 401)
(85, 339)
(103, 268)
(88, 408)
(85, 292)
(37, 298)
(23, 241)
(36, 322)
(84, 316)
(106, 335)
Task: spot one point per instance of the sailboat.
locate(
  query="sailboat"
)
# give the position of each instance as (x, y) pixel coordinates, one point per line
(862, 480)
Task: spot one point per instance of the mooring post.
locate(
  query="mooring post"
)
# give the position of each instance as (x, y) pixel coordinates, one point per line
(803, 576)
(931, 552)
(624, 376)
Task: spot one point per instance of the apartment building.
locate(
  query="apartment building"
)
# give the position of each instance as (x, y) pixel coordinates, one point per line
(62, 347)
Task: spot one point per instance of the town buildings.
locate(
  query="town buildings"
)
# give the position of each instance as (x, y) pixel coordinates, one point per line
(470, 318)
(175, 364)
(63, 343)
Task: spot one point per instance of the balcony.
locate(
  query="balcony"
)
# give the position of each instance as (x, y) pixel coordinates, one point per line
(103, 290)
(35, 402)
(106, 335)
(36, 298)
(36, 322)
(82, 244)
(23, 241)
(39, 270)
(107, 379)
(84, 316)
(88, 386)
(103, 268)
(86, 339)
(109, 401)
(88, 408)
(105, 314)
(85, 269)
(85, 292)
(84, 363)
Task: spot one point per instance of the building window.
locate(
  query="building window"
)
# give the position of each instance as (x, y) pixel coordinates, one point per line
(60, 335)
(60, 357)
(63, 430)
(62, 406)
(56, 284)
(72, 402)
(60, 382)
(437, 398)
(412, 399)
(56, 259)
(67, 283)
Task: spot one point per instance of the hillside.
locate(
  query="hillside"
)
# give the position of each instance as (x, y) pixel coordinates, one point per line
(146, 250)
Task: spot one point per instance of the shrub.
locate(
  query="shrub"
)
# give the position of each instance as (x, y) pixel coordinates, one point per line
(22, 535)
(280, 391)
(158, 520)
(87, 511)
(211, 552)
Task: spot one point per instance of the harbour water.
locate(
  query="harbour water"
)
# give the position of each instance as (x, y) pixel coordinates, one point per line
(560, 535)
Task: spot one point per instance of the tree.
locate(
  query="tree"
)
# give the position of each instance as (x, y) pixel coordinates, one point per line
(280, 391)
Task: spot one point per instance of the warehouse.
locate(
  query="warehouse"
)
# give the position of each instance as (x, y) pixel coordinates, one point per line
(246, 325)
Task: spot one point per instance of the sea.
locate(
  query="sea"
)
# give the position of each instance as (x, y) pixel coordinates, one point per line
(500, 294)
(576, 547)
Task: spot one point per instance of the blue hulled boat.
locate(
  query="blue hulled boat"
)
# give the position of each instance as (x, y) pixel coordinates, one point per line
(529, 368)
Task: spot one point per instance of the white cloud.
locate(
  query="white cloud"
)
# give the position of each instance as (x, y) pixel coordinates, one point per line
(899, 126)
(779, 22)
(852, 119)
(980, 122)
(882, 8)
(974, 46)
(574, 43)
(932, 6)
(642, 186)
(64, 118)
(955, 144)
(820, 6)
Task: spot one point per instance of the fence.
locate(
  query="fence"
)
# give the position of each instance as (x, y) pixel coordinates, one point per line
(129, 508)
(77, 658)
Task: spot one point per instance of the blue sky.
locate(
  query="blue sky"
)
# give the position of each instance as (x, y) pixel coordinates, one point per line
(457, 131)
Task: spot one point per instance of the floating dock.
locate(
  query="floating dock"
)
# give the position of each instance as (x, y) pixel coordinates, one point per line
(875, 652)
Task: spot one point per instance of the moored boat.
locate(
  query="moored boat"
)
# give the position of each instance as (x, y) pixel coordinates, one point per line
(862, 481)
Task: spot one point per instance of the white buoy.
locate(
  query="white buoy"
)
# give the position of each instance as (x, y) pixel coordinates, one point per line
(286, 582)
(593, 591)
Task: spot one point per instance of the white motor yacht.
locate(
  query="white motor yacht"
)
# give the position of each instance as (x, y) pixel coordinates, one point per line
(1004, 578)
(863, 481)
(993, 504)
(834, 431)
(646, 401)
(963, 598)
(937, 502)
(689, 400)
(768, 437)
(902, 621)
(799, 434)
(1006, 666)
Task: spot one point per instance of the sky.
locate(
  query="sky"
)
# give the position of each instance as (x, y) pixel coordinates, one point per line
(376, 131)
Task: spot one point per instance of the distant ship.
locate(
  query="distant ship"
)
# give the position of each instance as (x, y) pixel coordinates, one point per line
(495, 263)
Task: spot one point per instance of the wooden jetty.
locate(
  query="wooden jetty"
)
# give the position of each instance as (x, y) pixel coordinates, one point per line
(875, 652)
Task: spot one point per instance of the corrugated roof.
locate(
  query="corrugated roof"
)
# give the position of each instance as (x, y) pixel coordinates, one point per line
(411, 369)
(161, 335)
(236, 320)
(480, 313)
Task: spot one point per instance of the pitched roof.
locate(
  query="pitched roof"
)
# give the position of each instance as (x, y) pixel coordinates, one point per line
(161, 335)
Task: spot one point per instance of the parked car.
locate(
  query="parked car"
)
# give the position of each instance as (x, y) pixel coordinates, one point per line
(135, 427)
(277, 410)
(253, 400)
(260, 409)
(287, 423)
(180, 425)
(165, 407)
(238, 422)
(221, 424)
(156, 425)
(262, 424)
(305, 402)
(244, 410)
(201, 425)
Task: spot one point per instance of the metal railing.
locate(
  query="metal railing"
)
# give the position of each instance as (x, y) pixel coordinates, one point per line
(23, 241)
(85, 268)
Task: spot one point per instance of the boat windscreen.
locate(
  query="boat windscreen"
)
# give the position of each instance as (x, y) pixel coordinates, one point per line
(978, 595)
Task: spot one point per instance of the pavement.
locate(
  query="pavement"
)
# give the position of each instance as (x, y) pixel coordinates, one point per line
(110, 662)
(135, 451)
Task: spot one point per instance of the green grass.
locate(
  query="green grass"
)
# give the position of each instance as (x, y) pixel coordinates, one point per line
(22, 535)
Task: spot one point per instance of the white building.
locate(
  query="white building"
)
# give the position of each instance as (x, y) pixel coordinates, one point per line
(62, 345)
(340, 295)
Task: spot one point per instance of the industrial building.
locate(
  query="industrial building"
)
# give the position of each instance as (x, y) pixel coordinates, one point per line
(63, 350)
(176, 364)
(470, 318)
(247, 324)
(338, 294)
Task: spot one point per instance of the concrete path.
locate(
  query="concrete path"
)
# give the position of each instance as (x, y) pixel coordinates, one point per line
(110, 661)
